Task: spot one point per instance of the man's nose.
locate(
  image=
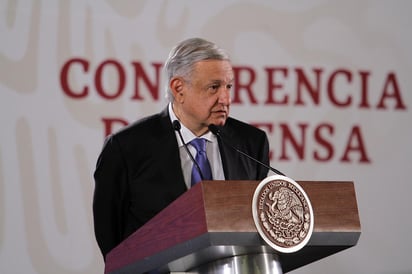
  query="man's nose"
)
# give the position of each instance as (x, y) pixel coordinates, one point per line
(224, 96)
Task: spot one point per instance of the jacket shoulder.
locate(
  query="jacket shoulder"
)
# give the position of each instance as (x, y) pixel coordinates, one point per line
(234, 127)
(146, 127)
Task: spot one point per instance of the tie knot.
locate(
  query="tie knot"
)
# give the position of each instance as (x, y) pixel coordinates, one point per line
(199, 144)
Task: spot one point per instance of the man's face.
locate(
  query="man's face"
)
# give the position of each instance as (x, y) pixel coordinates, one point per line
(204, 98)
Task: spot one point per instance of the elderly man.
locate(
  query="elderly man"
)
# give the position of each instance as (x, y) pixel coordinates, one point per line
(148, 164)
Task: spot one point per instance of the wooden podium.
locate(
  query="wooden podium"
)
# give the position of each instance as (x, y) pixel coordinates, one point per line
(213, 221)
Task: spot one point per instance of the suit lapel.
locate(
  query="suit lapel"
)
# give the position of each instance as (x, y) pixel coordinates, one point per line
(169, 148)
(228, 154)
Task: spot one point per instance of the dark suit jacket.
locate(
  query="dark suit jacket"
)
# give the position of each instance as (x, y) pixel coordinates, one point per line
(138, 172)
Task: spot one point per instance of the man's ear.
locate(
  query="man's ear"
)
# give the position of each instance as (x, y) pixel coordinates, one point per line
(176, 86)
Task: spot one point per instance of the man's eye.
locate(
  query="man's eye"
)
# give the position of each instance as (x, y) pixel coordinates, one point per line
(214, 88)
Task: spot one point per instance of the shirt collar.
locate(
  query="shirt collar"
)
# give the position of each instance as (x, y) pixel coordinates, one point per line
(188, 135)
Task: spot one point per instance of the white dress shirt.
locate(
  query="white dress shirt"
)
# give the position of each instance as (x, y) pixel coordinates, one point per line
(212, 151)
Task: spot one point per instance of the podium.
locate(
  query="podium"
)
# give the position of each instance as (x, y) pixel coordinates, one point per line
(212, 224)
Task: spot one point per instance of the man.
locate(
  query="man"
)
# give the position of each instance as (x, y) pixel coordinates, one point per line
(145, 166)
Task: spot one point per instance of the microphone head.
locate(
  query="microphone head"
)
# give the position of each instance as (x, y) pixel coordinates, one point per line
(214, 129)
(176, 125)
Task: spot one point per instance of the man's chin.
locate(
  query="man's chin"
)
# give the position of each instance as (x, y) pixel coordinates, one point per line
(219, 122)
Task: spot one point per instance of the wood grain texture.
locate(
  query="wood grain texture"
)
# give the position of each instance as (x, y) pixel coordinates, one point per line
(182, 220)
(220, 213)
(228, 205)
(334, 205)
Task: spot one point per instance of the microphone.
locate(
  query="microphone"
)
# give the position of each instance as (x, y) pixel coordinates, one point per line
(177, 127)
(216, 131)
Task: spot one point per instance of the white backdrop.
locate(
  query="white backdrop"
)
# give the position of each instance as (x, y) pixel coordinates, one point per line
(329, 82)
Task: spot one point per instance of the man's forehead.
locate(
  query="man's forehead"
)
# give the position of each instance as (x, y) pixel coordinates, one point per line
(214, 67)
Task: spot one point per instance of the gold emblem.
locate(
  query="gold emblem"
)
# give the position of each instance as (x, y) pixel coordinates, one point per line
(282, 213)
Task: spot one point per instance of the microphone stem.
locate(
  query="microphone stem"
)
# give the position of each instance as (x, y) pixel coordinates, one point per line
(190, 154)
(216, 132)
(256, 160)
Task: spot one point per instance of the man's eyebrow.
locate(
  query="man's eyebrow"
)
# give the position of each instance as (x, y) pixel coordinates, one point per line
(221, 81)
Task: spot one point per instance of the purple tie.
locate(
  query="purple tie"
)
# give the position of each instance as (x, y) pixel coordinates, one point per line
(201, 158)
